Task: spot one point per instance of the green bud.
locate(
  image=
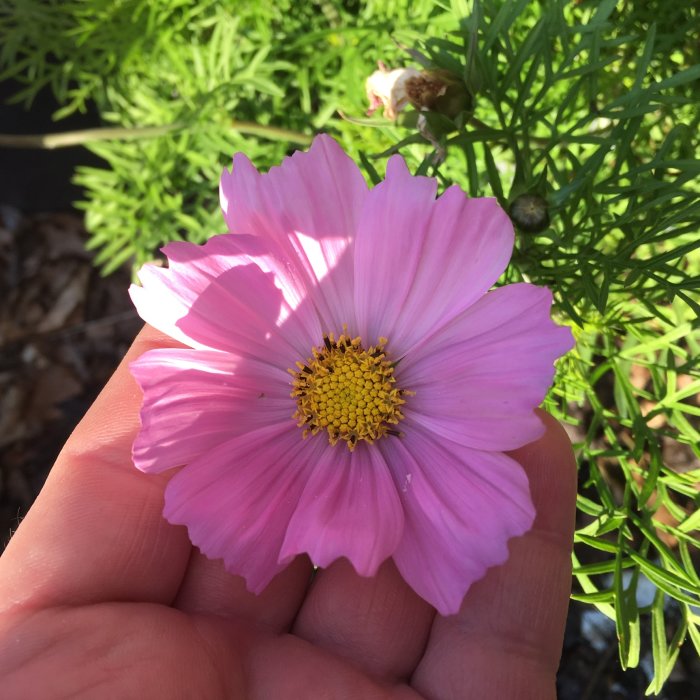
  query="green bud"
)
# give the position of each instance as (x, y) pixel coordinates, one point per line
(530, 213)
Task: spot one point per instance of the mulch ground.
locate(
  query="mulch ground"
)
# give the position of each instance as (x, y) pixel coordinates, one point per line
(63, 330)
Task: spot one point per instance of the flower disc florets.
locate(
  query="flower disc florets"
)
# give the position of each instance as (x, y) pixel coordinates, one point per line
(348, 391)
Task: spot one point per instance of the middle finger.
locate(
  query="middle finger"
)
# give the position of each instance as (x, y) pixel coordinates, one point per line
(378, 623)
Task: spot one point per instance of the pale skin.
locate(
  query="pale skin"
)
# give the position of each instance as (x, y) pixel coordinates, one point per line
(101, 598)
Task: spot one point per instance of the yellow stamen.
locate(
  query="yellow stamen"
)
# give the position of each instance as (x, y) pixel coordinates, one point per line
(348, 391)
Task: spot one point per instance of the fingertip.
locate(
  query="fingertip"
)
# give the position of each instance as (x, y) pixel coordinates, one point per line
(379, 623)
(150, 338)
(551, 469)
(208, 588)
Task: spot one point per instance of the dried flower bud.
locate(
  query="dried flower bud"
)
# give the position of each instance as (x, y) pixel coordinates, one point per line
(439, 91)
(435, 90)
(529, 213)
(388, 88)
(424, 89)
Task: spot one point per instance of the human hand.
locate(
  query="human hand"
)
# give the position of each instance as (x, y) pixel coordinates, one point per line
(100, 597)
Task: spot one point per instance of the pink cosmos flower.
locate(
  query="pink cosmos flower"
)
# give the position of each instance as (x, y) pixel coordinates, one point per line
(350, 383)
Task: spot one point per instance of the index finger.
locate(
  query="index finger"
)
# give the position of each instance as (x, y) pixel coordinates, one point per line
(96, 531)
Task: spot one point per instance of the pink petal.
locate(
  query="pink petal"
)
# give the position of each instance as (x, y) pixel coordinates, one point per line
(349, 508)
(478, 379)
(236, 500)
(219, 296)
(196, 399)
(419, 261)
(461, 507)
(306, 210)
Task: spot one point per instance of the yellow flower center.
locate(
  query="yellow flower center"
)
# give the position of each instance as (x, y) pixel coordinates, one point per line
(348, 391)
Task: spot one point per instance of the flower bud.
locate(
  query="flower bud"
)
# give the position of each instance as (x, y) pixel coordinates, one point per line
(435, 90)
(529, 212)
(438, 91)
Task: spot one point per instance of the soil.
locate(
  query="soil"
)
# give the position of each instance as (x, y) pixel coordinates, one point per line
(63, 330)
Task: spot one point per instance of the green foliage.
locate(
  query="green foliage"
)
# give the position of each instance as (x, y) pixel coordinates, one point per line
(216, 77)
(596, 109)
(591, 106)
